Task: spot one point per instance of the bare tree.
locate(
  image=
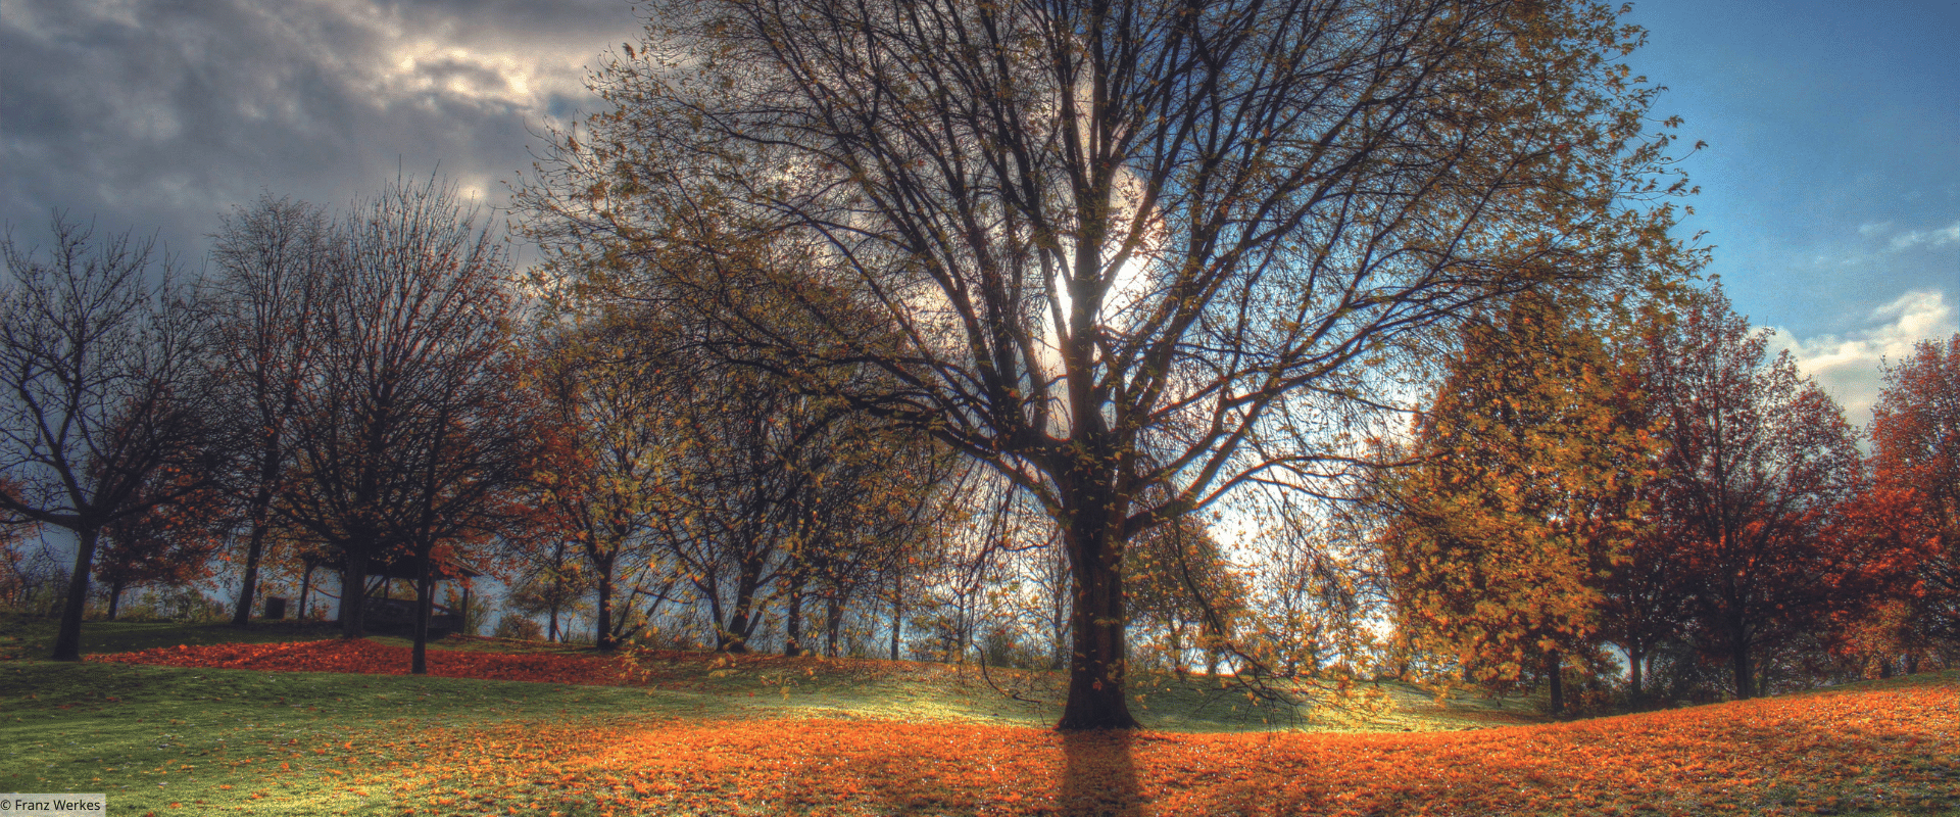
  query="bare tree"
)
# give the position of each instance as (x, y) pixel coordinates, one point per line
(97, 357)
(1105, 247)
(271, 278)
(410, 426)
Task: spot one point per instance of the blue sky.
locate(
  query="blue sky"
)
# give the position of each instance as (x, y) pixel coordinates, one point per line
(1831, 184)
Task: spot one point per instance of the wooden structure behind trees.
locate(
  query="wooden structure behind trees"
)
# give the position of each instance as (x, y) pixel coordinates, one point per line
(385, 612)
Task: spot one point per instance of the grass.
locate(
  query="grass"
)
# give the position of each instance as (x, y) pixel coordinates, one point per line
(773, 735)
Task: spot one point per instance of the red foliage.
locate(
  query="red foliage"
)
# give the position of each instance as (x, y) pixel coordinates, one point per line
(364, 656)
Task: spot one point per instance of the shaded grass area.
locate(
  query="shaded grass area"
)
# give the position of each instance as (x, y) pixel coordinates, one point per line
(33, 636)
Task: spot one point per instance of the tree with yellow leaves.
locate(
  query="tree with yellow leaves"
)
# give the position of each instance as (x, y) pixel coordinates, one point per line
(1521, 490)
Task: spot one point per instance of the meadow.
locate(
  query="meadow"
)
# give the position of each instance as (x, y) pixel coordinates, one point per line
(275, 721)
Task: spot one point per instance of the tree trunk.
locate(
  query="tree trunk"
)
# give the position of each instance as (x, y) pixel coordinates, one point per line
(115, 599)
(1095, 683)
(1555, 675)
(742, 623)
(1739, 657)
(833, 622)
(68, 642)
(425, 597)
(793, 626)
(1634, 659)
(353, 594)
(898, 610)
(305, 587)
(254, 547)
(604, 639)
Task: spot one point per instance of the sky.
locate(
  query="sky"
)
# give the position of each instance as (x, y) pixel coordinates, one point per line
(1830, 184)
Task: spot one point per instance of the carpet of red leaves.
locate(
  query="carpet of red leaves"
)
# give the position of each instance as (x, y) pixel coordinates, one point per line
(364, 656)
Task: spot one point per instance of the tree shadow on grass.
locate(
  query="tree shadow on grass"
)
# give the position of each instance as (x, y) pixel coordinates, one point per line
(1099, 777)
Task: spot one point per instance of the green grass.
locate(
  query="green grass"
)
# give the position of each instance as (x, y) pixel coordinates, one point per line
(33, 637)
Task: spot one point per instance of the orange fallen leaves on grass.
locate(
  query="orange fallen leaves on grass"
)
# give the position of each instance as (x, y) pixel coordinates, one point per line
(1886, 749)
(364, 656)
(1890, 749)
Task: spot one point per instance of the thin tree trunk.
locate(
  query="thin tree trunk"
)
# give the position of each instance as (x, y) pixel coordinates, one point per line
(254, 548)
(898, 610)
(604, 639)
(425, 597)
(1635, 659)
(833, 622)
(305, 586)
(115, 599)
(793, 626)
(1555, 677)
(353, 595)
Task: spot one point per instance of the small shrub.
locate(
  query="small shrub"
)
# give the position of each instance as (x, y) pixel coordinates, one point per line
(512, 625)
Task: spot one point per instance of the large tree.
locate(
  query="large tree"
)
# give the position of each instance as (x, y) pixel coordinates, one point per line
(603, 438)
(97, 374)
(1103, 247)
(1916, 457)
(1757, 461)
(1523, 492)
(410, 428)
(272, 262)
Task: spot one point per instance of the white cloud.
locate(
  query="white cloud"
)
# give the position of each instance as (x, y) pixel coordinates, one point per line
(1847, 365)
(1928, 238)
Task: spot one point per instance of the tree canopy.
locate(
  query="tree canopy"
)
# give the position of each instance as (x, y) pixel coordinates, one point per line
(1131, 255)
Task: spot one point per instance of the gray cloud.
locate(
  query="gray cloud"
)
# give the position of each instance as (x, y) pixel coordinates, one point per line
(160, 114)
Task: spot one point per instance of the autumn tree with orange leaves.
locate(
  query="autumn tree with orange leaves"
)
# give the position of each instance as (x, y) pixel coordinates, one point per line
(1523, 490)
(167, 544)
(1121, 253)
(1916, 459)
(1758, 462)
